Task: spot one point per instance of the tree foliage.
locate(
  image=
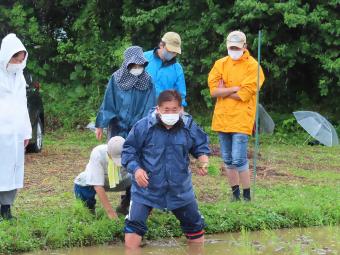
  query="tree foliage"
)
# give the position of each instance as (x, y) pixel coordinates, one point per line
(75, 45)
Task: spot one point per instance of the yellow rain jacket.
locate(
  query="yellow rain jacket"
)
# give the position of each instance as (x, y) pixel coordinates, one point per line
(232, 115)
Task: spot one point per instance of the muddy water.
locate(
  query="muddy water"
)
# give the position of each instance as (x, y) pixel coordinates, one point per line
(319, 241)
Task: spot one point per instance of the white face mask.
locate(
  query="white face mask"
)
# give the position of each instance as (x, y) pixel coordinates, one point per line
(169, 119)
(14, 68)
(235, 54)
(136, 71)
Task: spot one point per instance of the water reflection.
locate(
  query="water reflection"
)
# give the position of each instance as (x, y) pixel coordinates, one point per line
(189, 249)
(316, 241)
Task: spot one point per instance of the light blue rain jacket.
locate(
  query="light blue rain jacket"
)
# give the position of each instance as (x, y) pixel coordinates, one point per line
(167, 75)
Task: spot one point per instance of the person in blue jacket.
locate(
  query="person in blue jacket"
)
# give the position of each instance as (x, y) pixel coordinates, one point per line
(129, 96)
(156, 154)
(164, 68)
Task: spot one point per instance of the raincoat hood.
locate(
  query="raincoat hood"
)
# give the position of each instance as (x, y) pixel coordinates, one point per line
(9, 46)
(124, 79)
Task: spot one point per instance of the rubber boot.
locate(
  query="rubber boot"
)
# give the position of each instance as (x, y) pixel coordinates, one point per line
(246, 195)
(92, 208)
(235, 193)
(6, 212)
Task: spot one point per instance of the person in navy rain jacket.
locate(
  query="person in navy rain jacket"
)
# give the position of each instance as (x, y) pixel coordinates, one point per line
(156, 154)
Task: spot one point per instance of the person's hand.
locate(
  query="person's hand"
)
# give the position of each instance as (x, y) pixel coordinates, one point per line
(141, 178)
(202, 168)
(26, 142)
(112, 215)
(99, 133)
(220, 84)
(235, 88)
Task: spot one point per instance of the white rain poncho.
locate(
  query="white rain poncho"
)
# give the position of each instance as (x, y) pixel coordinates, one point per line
(15, 124)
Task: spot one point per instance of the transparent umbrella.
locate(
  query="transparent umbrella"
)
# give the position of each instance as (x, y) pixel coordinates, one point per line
(266, 123)
(318, 127)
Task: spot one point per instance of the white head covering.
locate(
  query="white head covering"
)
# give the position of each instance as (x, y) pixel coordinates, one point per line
(114, 149)
(14, 118)
(9, 46)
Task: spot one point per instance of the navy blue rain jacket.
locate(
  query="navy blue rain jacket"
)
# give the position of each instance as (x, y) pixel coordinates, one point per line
(164, 155)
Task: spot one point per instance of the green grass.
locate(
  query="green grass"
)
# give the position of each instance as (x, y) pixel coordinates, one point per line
(214, 166)
(306, 196)
(66, 139)
(317, 175)
(73, 225)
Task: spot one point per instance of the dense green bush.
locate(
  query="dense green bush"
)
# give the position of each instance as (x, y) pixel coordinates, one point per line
(75, 45)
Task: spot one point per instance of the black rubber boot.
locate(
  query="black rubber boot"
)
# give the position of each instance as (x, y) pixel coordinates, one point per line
(6, 212)
(123, 208)
(92, 208)
(246, 195)
(236, 193)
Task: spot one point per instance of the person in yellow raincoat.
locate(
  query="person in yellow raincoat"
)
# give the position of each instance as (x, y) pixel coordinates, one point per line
(233, 81)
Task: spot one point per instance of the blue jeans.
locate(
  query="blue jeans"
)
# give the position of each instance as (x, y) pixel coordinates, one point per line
(234, 148)
(192, 222)
(86, 194)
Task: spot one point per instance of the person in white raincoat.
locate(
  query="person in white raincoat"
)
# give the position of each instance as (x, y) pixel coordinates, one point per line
(15, 126)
